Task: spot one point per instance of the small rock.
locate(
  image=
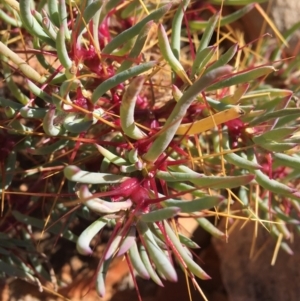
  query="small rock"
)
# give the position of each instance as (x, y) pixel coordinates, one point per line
(255, 279)
(284, 14)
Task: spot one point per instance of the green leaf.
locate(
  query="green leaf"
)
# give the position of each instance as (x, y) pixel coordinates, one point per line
(56, 229)
(120, 78)
(242, 77)
(160, 214)
(206, 181)
(195, 205)
(293, 113)
(198, 25)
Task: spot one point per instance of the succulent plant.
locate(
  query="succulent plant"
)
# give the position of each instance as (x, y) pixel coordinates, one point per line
(134, 135)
